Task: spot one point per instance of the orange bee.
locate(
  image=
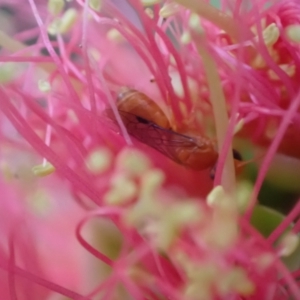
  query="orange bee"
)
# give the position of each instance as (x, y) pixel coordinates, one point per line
(137, 103)
(146, 121)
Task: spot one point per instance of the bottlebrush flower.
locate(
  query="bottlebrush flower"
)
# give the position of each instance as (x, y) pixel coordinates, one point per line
(88, 211)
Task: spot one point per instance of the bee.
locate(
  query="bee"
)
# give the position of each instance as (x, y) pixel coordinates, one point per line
(139, 104)
(238, 164)
(145, 121)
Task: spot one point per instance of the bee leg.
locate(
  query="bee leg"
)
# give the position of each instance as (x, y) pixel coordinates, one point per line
(237, 157)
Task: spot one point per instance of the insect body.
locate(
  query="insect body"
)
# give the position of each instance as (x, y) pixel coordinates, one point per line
(139, 104)
(145, 121)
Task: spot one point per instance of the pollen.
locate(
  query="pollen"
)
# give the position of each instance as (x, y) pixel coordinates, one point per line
(290, 70)
(186, 213)
(8, 71)
(243, 193)
(236, 279)
(271, 34)
(150, 2)
(53, 27)
(198, 291)
(146, 212)
(169, 9)
(263, 23)
(44, 86)
(151, 181)
(149, 12)
(55, 7)
(222, 234)
(264, 261)
(195, 23)
(223, 230)
(293, 33)
(288, 244)
(215, 195)
(200, 281)
(114, 35)
(259, 62)
(122, 191)
(95, 4)
(239, 126)
(133, 162)
(65, 23)
(43, 170)
(99, 161)
(174, 220)
(185, 38)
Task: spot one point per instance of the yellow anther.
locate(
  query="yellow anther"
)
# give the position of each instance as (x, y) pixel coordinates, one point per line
(264, 261)
(263, 23)
(195, 23)
(96, 4)
(293, 33)
(201, 279)
(149, 12)
(169, 9)
(198, 291)
(150, 182)
(236, 279)
(215, 196)
(8, 71)
(239, 125)
(271, 34)
(65, 23)
(133, 162)
(44, 86)
(99, 160)
(185, 38)
(53, 27)
(55, 7)
(43, 170)
(290, 70)
(186, 213)
(122, 191)
(288, 244)
(222, 233)
(150, 2)
(243, 193)
(68, 20)
(259, 62)
(114, 35)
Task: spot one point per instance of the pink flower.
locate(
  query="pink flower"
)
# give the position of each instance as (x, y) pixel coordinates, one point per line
(88, 210)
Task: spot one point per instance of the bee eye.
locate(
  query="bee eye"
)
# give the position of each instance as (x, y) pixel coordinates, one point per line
(237, 155)
(142, 120)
